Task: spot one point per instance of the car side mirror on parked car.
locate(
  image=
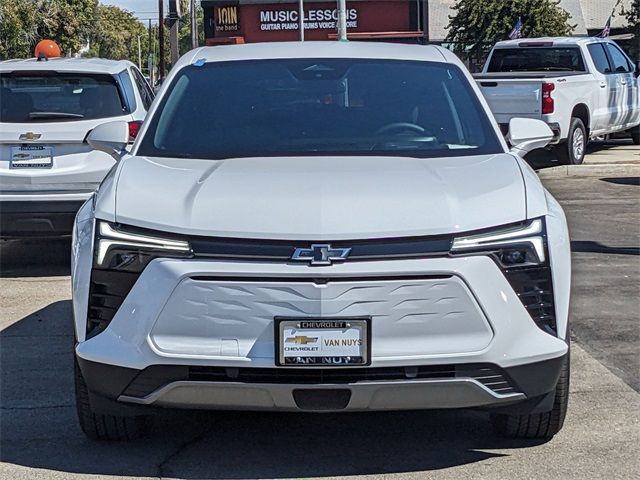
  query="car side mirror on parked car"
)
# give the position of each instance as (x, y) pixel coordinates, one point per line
(111, 138)
(527, 134)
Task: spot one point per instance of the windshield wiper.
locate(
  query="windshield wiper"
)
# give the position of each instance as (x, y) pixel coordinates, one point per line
(34, 115)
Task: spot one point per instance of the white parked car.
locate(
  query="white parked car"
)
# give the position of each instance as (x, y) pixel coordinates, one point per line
(582, 88)
(321, 227)
(47, 109)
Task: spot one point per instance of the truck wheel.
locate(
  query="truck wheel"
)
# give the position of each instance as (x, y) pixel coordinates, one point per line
(635, 135)
(571, 152)
(537, 425)
(103, 427)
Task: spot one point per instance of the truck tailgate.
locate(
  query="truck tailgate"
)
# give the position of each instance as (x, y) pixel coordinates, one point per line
(510, 98)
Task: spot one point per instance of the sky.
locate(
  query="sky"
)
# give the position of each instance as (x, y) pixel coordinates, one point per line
(143, 9)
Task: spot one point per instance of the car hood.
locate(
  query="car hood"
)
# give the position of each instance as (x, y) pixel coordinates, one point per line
(320, 198)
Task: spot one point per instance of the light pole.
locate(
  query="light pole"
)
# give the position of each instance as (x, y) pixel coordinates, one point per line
(194, 25)
(301, 18)
(342, 20)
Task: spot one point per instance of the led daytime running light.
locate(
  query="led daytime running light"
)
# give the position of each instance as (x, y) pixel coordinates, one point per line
(531, 234)
(110, 237)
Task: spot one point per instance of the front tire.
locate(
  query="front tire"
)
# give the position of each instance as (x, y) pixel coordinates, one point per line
(538, 425)
(97, 426)
(635, 135)
(572, 151)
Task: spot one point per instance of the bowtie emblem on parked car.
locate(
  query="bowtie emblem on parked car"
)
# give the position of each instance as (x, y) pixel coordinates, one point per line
(30, 136)
(301, 340)
(321, 254)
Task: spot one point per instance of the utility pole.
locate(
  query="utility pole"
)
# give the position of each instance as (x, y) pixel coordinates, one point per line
(161, 65)
(301, 18)
(139, 54)
(342, 20)
(194, 25)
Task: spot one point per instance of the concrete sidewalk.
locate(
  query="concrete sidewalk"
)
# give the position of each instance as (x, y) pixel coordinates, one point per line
(618, 157)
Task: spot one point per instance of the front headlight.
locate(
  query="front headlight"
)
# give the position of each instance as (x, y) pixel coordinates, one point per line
(521, 254)
(128, 250)
(519, 246)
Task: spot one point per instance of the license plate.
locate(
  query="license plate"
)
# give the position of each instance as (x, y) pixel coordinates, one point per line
(31, 156)
(321, 342)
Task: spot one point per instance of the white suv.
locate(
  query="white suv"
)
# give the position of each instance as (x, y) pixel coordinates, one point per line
(47, 109)
(321, 227)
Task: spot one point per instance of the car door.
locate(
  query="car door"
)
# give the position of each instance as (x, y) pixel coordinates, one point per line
(605, 96)
(626, 101)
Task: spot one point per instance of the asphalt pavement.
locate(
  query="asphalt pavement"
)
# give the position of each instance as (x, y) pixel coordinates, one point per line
(40, 438)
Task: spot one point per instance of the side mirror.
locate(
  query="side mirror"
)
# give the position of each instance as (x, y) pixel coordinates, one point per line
(111, 138)
(526, 134)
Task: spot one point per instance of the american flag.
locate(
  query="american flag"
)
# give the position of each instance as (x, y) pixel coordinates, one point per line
(607, 29)
(517, 30)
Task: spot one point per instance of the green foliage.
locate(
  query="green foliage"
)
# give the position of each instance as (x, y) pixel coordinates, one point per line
(184, 34)
(478, 24)
(109, 31)
(116, 35)
(25, 22)
(633, 20)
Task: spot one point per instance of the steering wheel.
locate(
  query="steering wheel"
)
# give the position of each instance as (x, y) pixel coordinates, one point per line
(399, 127)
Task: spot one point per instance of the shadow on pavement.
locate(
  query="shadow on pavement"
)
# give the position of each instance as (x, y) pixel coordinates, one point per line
(588, 246)
(545, 158)
(623, 180)
(35, 257)
(39, 427)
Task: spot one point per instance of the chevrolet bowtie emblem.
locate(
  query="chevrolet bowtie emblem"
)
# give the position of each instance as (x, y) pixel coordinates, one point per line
(301, 340)
(322, 254)
(30, 136)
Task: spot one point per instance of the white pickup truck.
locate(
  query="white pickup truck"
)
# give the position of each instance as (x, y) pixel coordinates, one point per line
(581, 87)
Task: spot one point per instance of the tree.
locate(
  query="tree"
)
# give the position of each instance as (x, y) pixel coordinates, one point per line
(184, 34)
(25, 22)
(478, 24)
(116, 35)
(75, 22)
(633, 19)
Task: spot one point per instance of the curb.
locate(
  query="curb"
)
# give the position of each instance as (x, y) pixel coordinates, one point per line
(599, 170)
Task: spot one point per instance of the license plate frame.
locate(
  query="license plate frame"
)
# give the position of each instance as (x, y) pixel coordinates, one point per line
(316, 325)
(43, 160)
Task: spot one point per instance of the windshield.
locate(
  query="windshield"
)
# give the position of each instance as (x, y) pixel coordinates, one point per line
(54, 97)
(319, 107)
(533, 59)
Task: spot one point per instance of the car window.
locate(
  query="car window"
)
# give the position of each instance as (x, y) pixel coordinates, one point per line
(143, 89)
(619, 60)
(534, 59)
(319, 107)
(599, 56)
(53, 96)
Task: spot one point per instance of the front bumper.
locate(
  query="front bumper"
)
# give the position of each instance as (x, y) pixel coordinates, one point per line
(200, 334)
(446, 386)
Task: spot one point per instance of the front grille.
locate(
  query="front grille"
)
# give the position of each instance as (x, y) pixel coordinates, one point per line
(154, 377)
(534, 288)
(107, 291)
